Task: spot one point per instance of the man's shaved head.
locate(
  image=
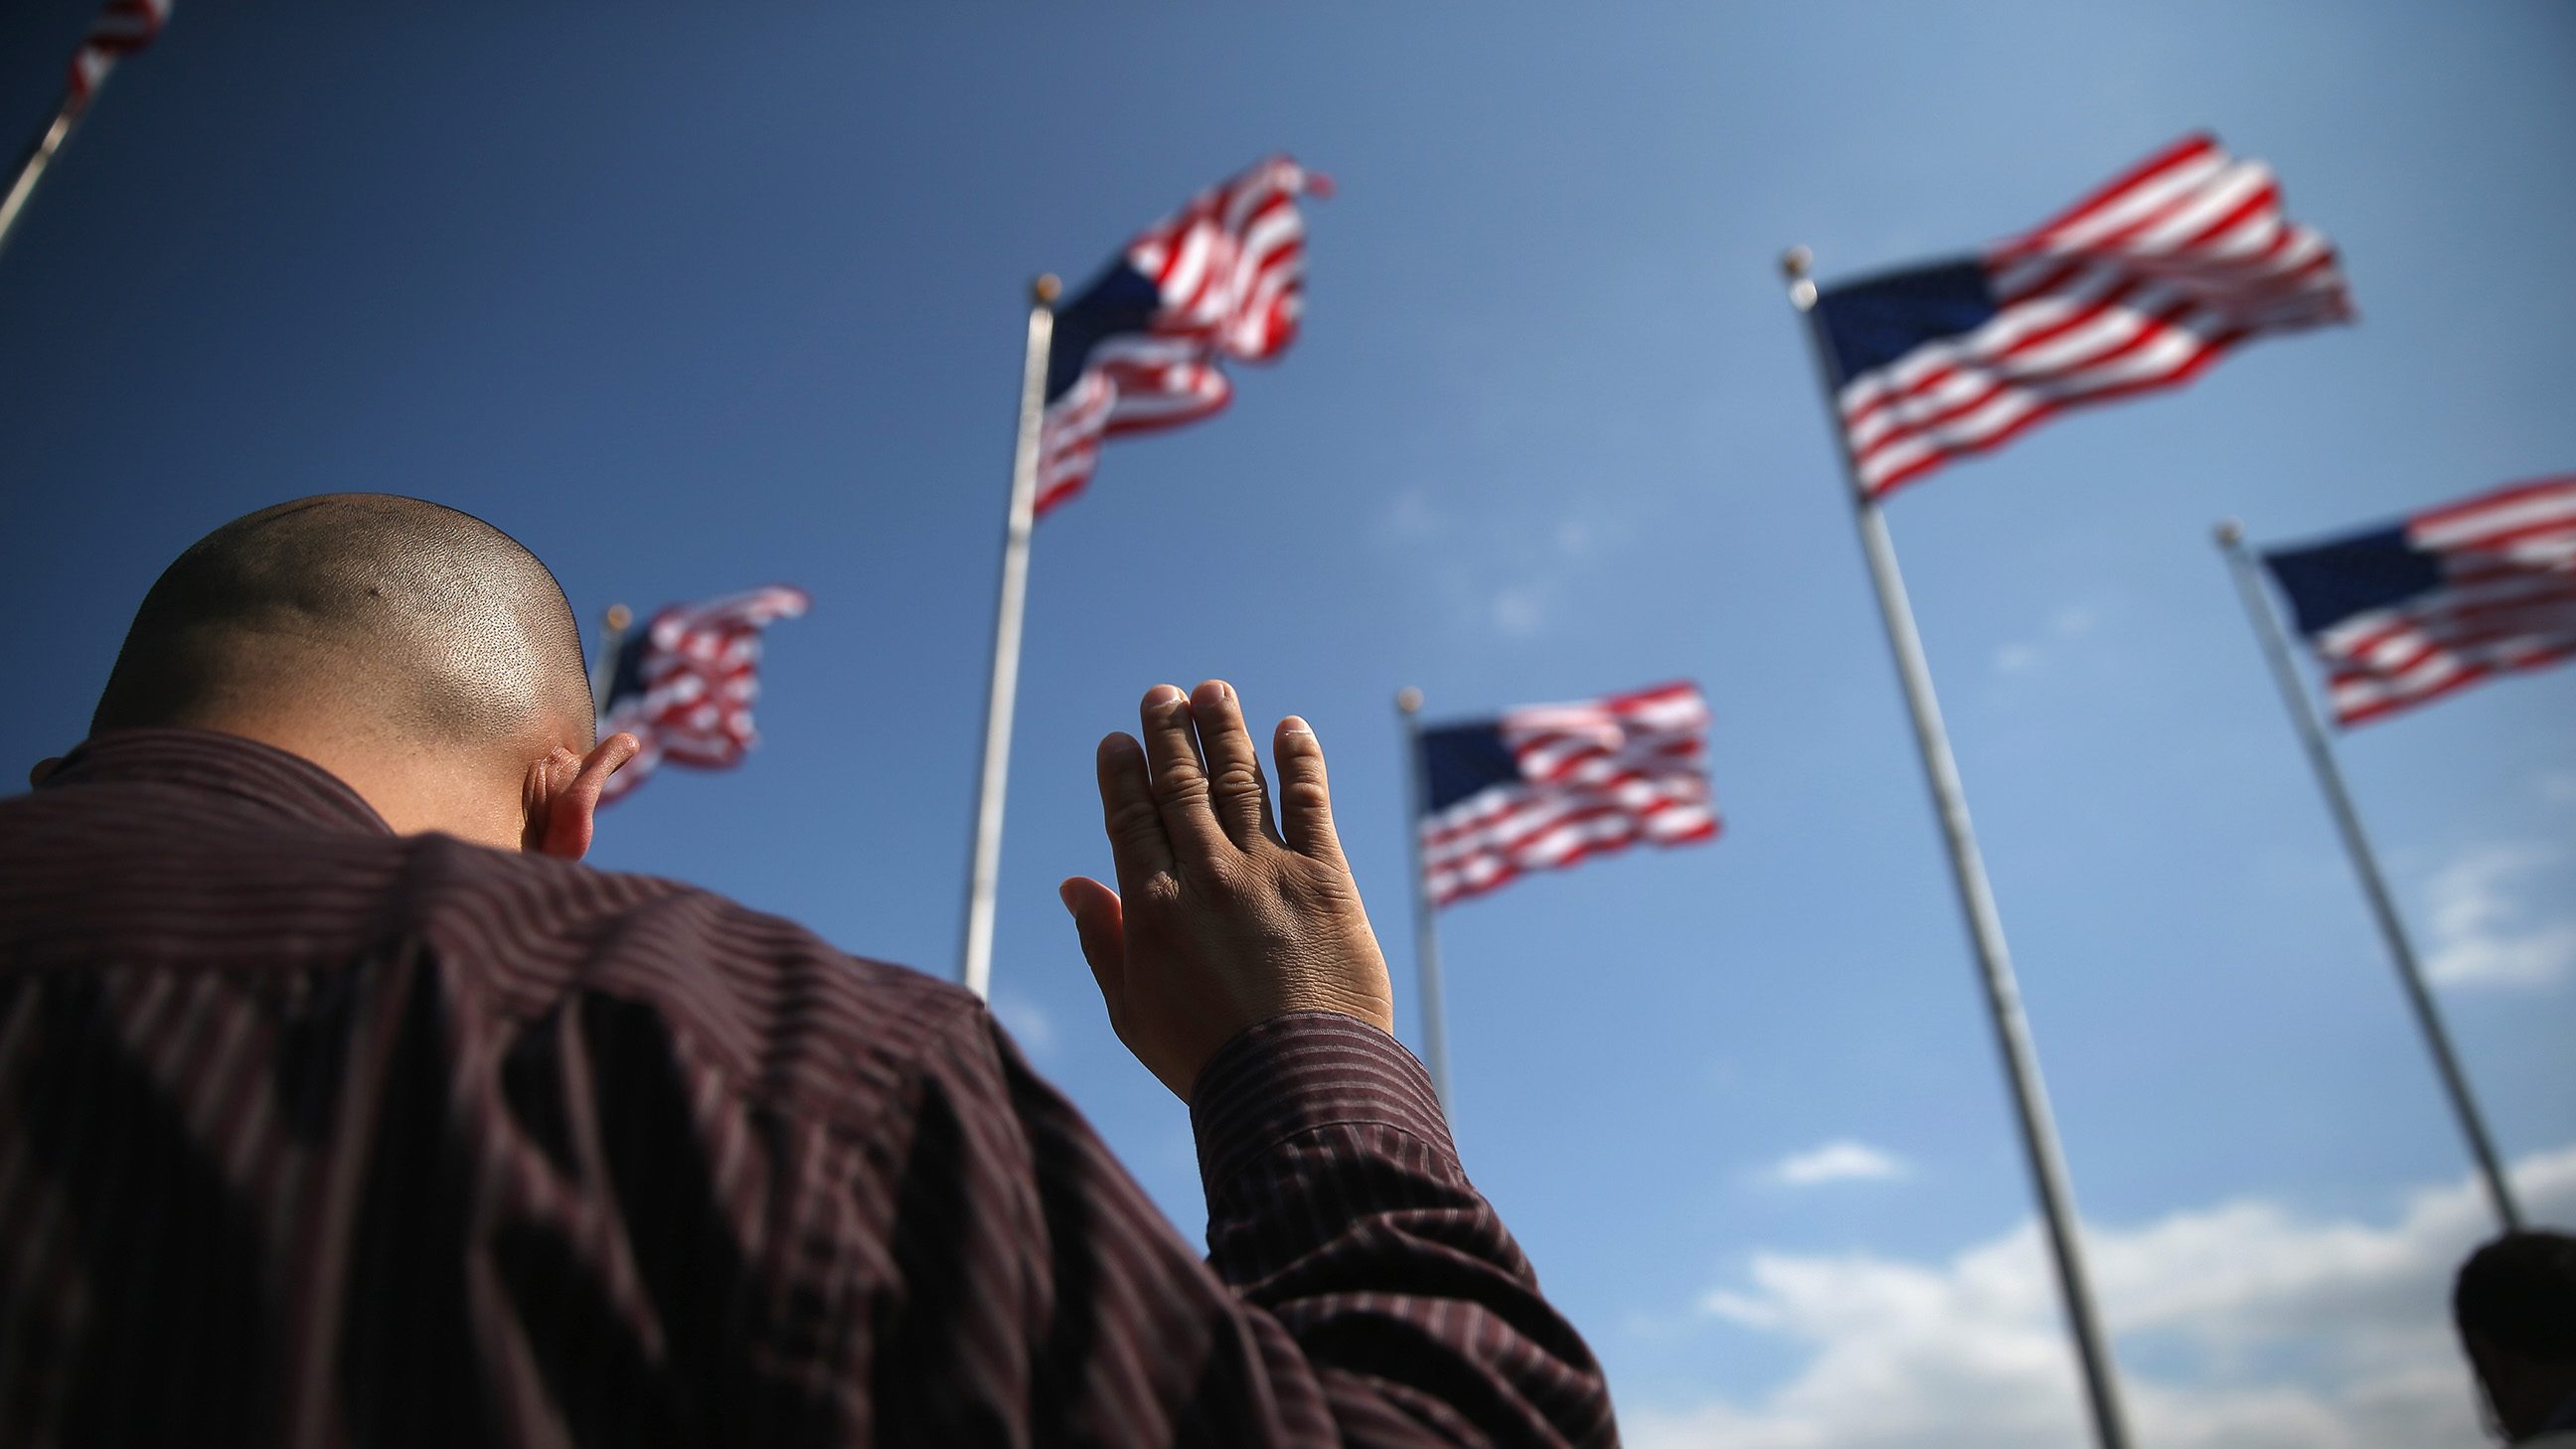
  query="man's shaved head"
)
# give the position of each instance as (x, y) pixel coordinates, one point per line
(390, 616)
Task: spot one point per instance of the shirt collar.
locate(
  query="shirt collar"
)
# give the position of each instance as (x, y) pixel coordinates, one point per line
(226, 764)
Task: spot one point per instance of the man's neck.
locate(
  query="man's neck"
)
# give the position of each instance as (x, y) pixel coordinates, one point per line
(417, 788)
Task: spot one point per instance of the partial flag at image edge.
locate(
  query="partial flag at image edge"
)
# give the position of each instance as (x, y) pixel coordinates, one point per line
(2402, 615)
(122, 28)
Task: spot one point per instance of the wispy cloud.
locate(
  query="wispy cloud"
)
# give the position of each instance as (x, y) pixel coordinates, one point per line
(1508, 573)
(2070, 623)
(1839, 1161)
(1588, 531)
(1520, 610)
(2268, 1330)
(2480, 928)
(1412, 515)
(1028, 1023)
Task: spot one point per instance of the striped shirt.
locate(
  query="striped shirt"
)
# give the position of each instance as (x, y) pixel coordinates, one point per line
(314, 1135)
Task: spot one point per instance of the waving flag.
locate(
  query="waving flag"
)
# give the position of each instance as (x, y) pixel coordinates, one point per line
(1140, 348)
(2406, 614)
(121, 29)
(1546, 785)
(2139, 287)
(685, 682)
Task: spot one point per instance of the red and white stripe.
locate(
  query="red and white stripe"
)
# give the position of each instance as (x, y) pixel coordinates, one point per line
(1231, 268)
(1597, 775)
(121, 29)
(701, 672)
(2138, 287)
(2508, 602)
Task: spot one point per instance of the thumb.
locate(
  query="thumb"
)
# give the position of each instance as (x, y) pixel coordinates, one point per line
(1100, 920)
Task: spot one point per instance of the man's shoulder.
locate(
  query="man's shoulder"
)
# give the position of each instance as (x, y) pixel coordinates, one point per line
(150, 879)
(767, 998)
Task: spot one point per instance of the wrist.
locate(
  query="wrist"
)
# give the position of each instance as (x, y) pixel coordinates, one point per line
(1289, 1075)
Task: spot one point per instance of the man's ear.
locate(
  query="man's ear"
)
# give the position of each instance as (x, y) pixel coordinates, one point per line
(43, 769)
(563, 794)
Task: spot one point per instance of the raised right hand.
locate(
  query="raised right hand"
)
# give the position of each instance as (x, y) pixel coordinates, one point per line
(1222, 919)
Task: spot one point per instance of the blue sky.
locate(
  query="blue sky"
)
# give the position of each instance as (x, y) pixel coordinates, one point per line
(698, 300)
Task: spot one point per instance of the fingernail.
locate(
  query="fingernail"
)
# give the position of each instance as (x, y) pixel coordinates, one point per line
(1164, 694)
(1295, 726)
(1064, 893)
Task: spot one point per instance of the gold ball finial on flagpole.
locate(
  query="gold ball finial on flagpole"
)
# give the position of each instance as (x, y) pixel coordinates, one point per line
(2230, 531)
(1408, 699)
(1795, 261)
(1045, 289)
(619, 616)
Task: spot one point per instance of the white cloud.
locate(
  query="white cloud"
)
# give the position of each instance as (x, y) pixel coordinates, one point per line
(1515, 576)
(1594, 528)
(1028, 1023)
(2069, 623)
(2267, 1329)
(1520, 610)
(1840, 1161)
(1411, 516)
(2479, 931)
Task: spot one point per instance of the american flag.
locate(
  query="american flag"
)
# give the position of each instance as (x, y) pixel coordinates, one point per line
(2139, 287)
(121, 29)
(684, 683)
(1546, 785)
(2408, 613)
(1139, 349)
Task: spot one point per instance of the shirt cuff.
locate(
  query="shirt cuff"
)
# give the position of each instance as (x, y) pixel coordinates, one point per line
(1293, 1074)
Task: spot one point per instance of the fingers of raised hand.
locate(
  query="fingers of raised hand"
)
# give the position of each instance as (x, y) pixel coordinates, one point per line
(1241, 797)
(1180, 781)
(1137, 845)
(1305, 796)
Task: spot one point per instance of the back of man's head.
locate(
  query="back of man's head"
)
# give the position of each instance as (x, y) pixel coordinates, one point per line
(419, 653)
(2515, 1305)
(390, 617)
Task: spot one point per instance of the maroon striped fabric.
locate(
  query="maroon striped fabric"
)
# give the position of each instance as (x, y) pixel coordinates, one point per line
(314, 1135)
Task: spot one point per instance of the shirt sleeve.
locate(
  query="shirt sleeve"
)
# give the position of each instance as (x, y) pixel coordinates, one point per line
(1359, 1291)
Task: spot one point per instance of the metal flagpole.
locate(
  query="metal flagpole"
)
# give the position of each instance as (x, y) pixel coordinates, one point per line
(1976, 901)
(975, 963)
(123, 28)
(2374, 888)
(1426, 926)
(39, 156)
(612, 638)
